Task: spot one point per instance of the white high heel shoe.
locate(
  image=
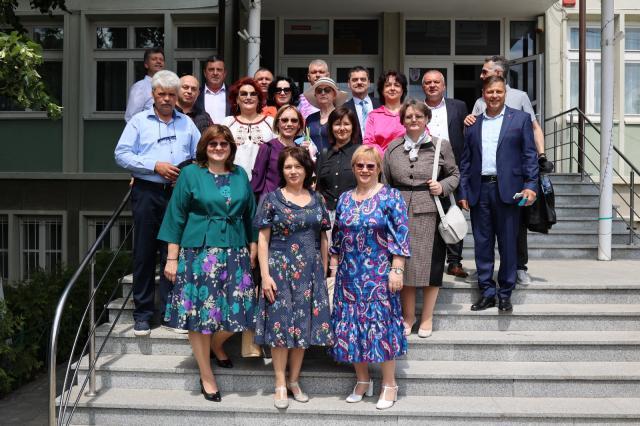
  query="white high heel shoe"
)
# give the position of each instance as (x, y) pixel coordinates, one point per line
(383, 404)
(354, 397)
(278, 401)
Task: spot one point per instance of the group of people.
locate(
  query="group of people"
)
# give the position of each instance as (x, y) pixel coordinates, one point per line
(310, 219)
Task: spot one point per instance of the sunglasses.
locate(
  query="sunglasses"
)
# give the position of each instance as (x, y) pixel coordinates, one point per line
(223, 144)
(284, 90)
(323, 90)
(369, 166)
(248, 94)
(287, 120)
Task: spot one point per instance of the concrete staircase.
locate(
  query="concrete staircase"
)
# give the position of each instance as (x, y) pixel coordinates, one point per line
(569, 354)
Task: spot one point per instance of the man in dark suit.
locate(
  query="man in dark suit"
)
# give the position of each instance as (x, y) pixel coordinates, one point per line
(447, 122)
(360, 103)
(213, 95)
(499, 161)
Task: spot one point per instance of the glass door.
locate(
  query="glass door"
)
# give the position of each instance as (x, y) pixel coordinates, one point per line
(527, 75)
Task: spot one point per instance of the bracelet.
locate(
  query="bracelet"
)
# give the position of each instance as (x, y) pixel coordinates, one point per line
(398, 270)
(172, 259)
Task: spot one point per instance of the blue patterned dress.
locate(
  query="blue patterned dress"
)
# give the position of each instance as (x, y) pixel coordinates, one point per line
(367, 317)
(214, 289)
(300, 315)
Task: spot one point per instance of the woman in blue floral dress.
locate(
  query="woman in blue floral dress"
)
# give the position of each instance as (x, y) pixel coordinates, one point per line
(292, 250)
(212, 244)
(370, 244)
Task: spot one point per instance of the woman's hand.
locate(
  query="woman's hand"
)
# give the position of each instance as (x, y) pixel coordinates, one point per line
(170, 270)
(434, 187)
(269, 288)
(395, 281)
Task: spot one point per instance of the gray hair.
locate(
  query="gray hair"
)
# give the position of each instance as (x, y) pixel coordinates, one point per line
(500, 62)
(319, 62)
(415, 104)
(165, 79)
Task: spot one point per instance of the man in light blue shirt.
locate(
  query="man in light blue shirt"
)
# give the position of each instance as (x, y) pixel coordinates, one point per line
(490, 133)
(140, 93)
(152, 145)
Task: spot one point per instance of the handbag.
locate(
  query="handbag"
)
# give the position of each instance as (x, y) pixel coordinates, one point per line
(331, 285)
(453, 225)
(250, 349)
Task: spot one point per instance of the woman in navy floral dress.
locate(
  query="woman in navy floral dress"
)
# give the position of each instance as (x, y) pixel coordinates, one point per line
(292, 251)
(370, 244)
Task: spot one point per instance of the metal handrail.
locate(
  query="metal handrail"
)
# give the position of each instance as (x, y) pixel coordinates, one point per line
(55, 327)
(582, 154)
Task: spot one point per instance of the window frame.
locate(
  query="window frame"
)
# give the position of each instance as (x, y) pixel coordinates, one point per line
(86, 238)
(19, 219)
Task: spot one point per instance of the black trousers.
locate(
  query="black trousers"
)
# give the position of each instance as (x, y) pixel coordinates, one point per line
(148, 204)
(523, 249)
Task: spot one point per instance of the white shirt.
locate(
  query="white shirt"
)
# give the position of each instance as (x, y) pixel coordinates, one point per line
(358, 104)
(215, 103)
(248, 139)
(140, 98)
(439, 125)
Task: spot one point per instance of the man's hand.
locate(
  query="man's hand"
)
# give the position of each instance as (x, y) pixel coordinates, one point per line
(463, 204)
(469, 120)
(167, 170)
(529, 195)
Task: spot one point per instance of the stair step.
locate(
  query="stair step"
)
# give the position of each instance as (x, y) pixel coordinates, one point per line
(171, 407)
(570, 251)
(559, 238)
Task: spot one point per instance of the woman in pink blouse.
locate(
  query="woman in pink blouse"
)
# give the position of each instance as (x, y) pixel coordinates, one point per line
(383, 124)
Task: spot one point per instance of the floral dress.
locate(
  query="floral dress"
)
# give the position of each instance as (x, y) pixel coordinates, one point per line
(300, 315)
(214, 289)
(367, 317)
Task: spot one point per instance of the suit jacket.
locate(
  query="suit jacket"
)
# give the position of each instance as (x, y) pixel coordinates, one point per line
(375, 103)
(200, 102)
(456, 112)
(516, 158)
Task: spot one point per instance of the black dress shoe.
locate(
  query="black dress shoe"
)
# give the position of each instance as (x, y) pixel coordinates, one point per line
(224, 363)
(505, 305)
(215, 397)
(483, 303)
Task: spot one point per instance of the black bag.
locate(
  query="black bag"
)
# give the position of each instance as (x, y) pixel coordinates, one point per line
(541, 215)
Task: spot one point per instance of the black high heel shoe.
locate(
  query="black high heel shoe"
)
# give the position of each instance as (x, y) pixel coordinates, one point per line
(215, 397)
(224, 363)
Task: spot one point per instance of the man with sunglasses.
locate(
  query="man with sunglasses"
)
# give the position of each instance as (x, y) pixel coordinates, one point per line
(152, 145)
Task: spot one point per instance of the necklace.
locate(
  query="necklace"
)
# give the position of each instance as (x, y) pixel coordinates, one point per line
(359, 204)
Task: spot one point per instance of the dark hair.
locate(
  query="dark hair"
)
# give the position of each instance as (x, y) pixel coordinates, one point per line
(282, 110)
(337, 115)
(400, 78)
(358, 68)
(500, 61)
(210, 134)
(493, 79)
(235, 91)
(301, 155)
(152, 51)
(212, 58)
(271, 91)
(419, 105)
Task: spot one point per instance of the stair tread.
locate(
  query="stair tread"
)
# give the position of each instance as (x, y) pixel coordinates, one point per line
(555, 309)
(438, 406)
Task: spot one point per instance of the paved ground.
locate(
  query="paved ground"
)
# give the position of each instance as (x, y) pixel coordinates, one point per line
(29, 404)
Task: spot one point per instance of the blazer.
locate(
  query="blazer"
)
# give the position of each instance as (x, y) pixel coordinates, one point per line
(375, 103)
(198, 214)
(456, 112)
(516, 158)
(200, 102)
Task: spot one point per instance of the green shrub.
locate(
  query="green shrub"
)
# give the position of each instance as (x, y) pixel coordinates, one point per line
(27, 314)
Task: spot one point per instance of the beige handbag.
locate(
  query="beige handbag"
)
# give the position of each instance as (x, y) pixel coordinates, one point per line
(453, 225)
(249, 348)
(331, 283)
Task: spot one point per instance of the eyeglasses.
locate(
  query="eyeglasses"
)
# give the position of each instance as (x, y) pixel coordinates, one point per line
(323, 90)
(416, 117)
(369, 166)
(223, 144)
(284, 90)
(287, 120)
(248, 94)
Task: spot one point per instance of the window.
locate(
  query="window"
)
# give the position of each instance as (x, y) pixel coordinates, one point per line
(197, 37)
(522, 39)
(51, 39)
(477, 37)
(632, 88)
(4, 248)
(592, 38)
(428, 37)
(306, 37)
(592, 86)
(355, 37)
(40, 244)
(120, 232)
(415, 81)
(632, 38)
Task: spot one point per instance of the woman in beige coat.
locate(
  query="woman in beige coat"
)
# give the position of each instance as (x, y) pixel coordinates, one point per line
(407, 166)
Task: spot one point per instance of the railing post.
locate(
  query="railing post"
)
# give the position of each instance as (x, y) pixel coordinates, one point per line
(555, 141)
(631, 206)
(570, 143)
(92, 335)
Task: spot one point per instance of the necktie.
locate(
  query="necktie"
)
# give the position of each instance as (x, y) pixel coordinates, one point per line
(365, 112)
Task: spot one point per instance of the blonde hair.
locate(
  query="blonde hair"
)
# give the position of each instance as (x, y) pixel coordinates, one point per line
(367, 153)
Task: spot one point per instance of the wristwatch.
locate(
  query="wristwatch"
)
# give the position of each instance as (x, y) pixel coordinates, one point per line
(398, 270)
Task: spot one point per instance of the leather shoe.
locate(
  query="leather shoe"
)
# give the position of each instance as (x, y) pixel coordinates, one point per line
(224, 363)
(456, 270)
(505, 305)
(483, 303)
(215, 396)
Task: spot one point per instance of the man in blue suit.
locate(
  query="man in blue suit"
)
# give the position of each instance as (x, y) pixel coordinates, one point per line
(499, 161)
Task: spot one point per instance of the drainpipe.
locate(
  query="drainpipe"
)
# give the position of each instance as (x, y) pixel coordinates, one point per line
(606, 132)
(253, 41)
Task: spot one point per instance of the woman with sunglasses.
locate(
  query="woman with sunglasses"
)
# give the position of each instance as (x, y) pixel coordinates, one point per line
(212, 248)
(282, 91)
(292, 250)
(408, 164)
(324, 95)
(370, 244)
(249, 126)
(382, 125)
(287, 125)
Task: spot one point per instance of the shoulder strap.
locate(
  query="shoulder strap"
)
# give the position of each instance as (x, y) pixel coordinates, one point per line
(434, 176)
